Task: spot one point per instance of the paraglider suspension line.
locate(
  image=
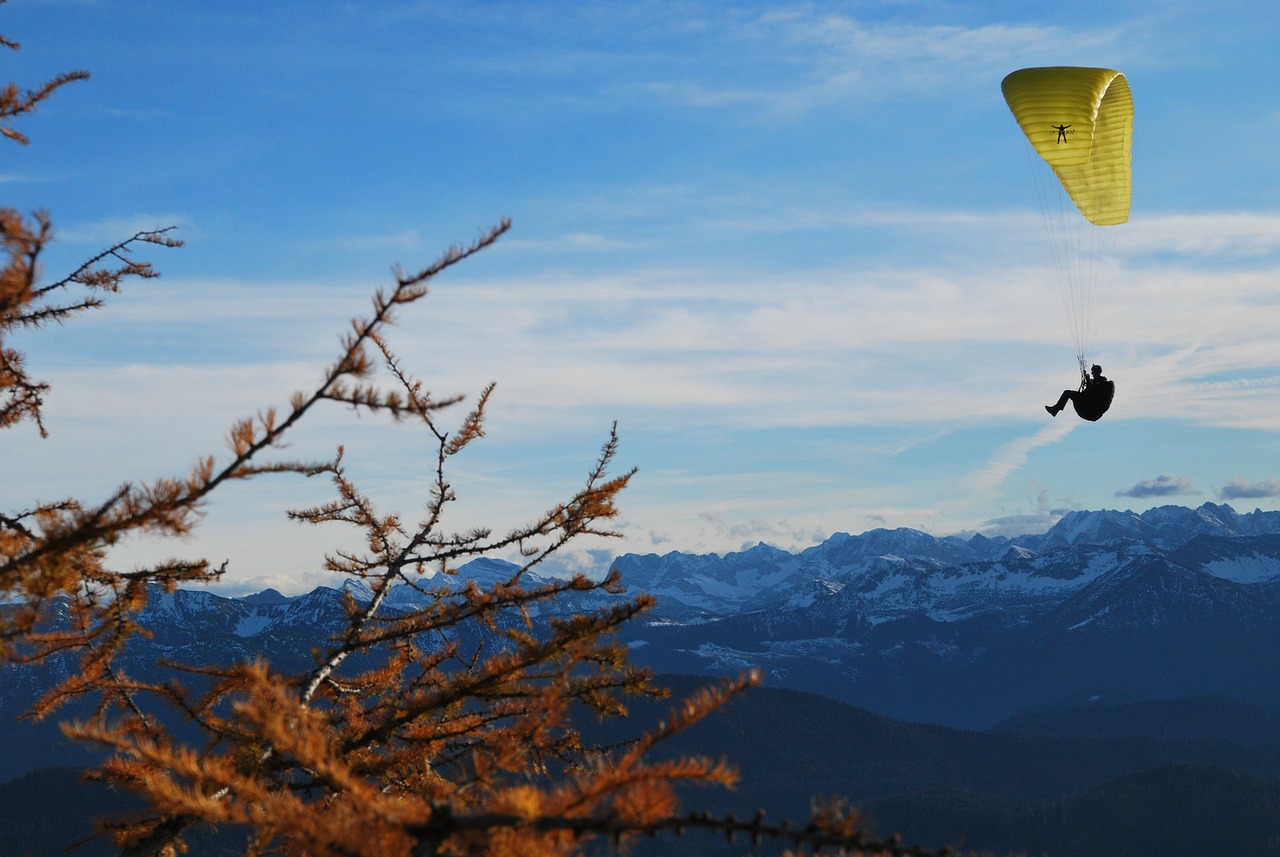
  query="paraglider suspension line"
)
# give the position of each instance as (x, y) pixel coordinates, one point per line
(1081, 256)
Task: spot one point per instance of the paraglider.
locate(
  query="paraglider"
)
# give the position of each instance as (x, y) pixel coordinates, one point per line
(1091, 400)
(1080, 122)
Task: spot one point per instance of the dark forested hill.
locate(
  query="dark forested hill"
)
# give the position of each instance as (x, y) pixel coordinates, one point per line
(1172, 811)
(1001, 790)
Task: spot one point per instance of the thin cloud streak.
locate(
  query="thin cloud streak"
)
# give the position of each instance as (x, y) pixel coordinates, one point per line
(1010, 457)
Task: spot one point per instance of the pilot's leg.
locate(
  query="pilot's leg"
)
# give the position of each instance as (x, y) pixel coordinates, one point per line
(1067, 395)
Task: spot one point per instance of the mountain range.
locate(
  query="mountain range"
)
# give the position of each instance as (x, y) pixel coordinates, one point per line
(1045, 677)
(1169, 603)
(1173, 602)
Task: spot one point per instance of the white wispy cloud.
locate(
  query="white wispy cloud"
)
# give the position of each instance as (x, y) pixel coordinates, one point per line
(824, 60)
(773, 60)
(1211, 235)
(821, 347)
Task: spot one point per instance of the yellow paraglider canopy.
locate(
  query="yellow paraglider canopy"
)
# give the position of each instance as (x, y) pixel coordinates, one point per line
(1080, 120)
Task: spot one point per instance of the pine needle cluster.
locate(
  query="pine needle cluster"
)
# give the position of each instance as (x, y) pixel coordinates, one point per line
(447, 728)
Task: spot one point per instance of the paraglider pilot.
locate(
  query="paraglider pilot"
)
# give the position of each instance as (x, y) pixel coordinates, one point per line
(1091, 400)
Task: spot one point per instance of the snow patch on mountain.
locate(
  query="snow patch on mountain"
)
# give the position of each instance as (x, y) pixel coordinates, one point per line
(1250, 568)
(255, 622)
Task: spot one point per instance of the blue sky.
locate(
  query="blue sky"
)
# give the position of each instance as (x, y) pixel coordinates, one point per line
(793, 249)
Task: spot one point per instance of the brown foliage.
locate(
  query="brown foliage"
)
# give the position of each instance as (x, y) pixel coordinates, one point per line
(398, 740)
